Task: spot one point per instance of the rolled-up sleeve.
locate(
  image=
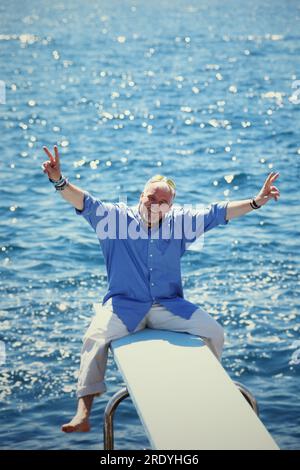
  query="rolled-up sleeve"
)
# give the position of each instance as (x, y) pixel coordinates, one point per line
(94, 209)
(215, 214)
(195, 222)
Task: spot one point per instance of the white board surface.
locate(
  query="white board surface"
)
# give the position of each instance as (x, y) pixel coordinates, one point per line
(184, 397)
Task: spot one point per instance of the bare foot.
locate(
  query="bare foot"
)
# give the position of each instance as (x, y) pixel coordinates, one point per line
(78, 424)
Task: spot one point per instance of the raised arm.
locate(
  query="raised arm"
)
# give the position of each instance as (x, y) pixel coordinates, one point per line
(70, 193)
(268, 191)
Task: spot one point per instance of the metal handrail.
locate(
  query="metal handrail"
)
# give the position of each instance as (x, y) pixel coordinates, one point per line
(249, 396)
(120, 395)
(108, 424)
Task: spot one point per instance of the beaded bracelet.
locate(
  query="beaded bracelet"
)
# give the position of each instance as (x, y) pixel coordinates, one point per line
(61, 183)
(62, 186)
(55, 182)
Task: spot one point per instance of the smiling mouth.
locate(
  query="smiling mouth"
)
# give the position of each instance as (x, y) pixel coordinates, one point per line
(152, 212)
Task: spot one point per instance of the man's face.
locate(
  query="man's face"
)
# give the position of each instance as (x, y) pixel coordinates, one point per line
(155, 202)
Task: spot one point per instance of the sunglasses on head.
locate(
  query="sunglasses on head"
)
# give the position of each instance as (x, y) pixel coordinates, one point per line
(169, 181)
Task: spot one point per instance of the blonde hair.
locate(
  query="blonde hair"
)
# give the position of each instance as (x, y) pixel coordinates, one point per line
(163, 179)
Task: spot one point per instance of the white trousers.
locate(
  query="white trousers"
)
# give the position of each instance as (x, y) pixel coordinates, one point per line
(106, 326)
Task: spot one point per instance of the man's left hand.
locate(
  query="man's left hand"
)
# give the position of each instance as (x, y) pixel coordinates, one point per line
(268, 191)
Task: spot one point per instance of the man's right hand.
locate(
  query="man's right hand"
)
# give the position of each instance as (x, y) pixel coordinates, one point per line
(52, 167)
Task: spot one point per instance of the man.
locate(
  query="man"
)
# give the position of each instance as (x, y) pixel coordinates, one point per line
(144, 278)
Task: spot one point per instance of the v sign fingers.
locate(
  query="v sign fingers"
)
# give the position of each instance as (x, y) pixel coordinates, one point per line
(52, 166)
(57, 158)
(271, 178)
(52, 160)
(268, 191)
(274, 177)
(268, 179)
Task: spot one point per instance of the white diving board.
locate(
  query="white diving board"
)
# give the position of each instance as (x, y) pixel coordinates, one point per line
(184, 397)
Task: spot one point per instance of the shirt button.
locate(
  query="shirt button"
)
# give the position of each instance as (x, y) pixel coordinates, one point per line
(152, 283)
(150, 269)
(151, 241)
(150, 255)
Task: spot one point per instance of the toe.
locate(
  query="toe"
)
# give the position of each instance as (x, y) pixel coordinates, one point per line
(67, 428)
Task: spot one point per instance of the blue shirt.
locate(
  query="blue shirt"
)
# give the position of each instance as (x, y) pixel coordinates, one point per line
(147, 270)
